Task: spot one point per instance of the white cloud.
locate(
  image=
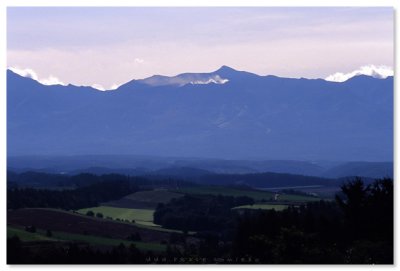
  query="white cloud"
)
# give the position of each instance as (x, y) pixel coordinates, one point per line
(114, 86)
(52, 80)
(101, 88)
(139, 60)
(380, 72)
(216, 80)
(29, 73)
(98, 87)
(25, 72)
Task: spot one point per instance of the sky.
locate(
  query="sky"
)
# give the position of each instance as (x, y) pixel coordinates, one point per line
(106, 47)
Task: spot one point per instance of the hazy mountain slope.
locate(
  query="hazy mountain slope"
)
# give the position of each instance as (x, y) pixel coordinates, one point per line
(248, 116)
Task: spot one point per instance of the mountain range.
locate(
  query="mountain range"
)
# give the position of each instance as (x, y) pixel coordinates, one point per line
(225, 114)
(188, 168)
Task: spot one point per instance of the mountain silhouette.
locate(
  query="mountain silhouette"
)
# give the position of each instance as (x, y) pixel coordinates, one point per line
(226, 114)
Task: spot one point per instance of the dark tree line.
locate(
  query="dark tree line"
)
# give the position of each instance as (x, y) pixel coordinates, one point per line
(199, 212)
(41, 180)
(267, 179)
(69, 199)
(72, 253)
(33, 189)
(357, 228)
(35, 179)
(368, 210)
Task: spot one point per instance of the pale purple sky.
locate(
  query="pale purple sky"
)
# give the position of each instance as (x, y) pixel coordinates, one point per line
(108, 46)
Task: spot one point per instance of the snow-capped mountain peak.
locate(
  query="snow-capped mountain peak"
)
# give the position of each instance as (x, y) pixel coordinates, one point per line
(380, 72)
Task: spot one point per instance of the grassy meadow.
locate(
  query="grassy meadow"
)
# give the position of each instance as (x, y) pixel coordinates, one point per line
(140, 216)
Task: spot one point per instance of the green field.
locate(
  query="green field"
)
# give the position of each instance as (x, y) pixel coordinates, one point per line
(257, 195)
(28, 236)
(141, 216)
(297, 198)
(277, 207)
(226, 191)
(95, 240)
(141, 224)
(40, 235)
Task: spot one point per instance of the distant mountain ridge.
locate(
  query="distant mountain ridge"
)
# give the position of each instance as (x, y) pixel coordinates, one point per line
(216, 77)
(193, 167)
(237, 115)
(379, 72)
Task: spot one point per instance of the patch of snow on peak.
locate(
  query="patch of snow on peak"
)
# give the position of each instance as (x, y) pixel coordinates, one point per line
(52, 80)
(98, 87)
(380, 72)
(101, 88)
(215, 79)
(29, 73)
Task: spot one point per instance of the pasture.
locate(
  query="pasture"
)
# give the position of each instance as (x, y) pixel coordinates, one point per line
(257, 195)
(141, 216)
(27, 236)
(102, 241)
(81, 224)
(227, 191)
(276, 207)
(59, 236)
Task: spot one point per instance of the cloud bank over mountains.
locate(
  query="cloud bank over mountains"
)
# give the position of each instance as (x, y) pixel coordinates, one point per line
(29, 73)
(216, 80)
(380, 72)
(52, 80)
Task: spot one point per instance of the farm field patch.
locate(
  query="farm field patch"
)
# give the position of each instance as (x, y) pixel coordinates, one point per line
(257, 195)
(276, 207)
(58, 236)
(80, 224)
(140, 216)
